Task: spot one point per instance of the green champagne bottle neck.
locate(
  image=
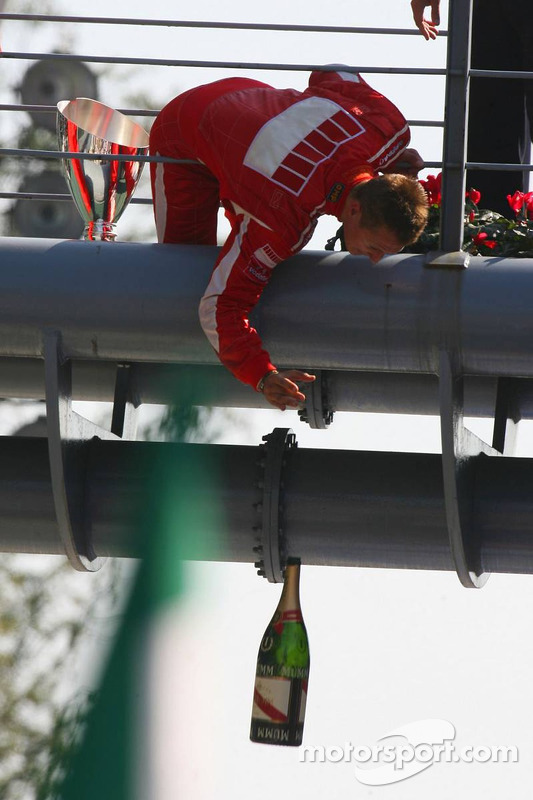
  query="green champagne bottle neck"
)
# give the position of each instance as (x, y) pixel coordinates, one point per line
(290, 597)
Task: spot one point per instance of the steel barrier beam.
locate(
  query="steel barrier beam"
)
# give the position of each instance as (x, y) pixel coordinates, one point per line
(338, 508)
(332, 311)
(165, 384)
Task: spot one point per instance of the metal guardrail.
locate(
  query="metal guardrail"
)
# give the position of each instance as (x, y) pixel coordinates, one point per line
(67, 57)
(457, 72)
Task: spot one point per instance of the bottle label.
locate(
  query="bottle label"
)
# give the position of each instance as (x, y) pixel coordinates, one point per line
(281, 671)
(271, 699)
(278, 711)
(269, 733)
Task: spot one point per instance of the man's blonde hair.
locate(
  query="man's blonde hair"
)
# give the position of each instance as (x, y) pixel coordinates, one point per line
(395, 202)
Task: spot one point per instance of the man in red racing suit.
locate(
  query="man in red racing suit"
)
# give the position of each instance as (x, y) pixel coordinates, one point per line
(276, 159)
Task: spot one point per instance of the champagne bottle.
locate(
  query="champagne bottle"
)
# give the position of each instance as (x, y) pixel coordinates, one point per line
(282, 672)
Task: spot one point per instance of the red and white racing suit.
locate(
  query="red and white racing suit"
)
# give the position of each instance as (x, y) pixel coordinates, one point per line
(277, 159)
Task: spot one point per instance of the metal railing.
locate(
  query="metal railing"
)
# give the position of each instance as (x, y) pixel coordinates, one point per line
(153, 62)
(172, 23)
(245, 65)
(457, 72)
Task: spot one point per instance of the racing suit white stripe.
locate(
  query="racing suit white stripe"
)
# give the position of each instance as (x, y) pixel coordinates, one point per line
(217, 284)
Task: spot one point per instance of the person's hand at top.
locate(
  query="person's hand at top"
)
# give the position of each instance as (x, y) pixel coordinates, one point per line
(281, 390)
(428, 28)
(409, 163)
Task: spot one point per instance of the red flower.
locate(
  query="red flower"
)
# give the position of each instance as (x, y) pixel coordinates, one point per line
(482, 239)
(528, 202)
(432, 187)
(474, 196)
(516, 201)
(472, 216)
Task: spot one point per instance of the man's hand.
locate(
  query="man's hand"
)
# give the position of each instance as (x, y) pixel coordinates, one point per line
(409, 163)
(428, 28)
(281, 390)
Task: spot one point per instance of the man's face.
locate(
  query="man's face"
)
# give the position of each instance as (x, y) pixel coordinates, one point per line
(371, 242)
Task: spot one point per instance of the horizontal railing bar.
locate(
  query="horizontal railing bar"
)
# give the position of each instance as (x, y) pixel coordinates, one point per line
(140, 112)
(479, 165)
(499, 73)
(36, 196)
(52, 154)
(425, 123)
(55, 197)
(6, 152)
(171, 23)
(499, 167)
(163, 62)
(153, 112)
(148, 201)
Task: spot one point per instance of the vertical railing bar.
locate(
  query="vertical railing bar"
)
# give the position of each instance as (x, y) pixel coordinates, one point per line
(455, 130)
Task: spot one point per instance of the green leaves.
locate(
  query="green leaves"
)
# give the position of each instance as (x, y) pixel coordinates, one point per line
(46, 613)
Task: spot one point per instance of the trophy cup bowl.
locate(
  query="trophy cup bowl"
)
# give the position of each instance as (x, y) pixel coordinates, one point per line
(101, 188)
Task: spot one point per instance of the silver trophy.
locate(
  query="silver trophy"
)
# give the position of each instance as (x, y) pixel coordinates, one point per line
(101, 188)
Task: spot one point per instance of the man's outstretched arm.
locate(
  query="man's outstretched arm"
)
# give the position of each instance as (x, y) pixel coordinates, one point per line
(242, 271)
(428, 28)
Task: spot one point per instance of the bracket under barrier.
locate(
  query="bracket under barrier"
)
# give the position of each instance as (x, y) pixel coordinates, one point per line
(272, 460)
(506, 415)
(458, 259)
(69, 435)
(460, 448)
(316, 412)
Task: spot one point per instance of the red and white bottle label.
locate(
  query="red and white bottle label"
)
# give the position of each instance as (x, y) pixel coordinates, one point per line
(271, 699)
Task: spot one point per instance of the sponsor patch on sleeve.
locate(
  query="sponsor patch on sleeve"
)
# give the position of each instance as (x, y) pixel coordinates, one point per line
(262, 263)
(335, 192)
